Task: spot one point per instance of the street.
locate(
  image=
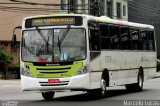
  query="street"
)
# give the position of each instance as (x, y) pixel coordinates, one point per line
(11, 92)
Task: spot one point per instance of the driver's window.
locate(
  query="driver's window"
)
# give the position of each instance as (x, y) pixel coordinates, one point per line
(94, 41)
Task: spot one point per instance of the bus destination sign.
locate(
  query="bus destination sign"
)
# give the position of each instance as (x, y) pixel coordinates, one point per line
(53, 21)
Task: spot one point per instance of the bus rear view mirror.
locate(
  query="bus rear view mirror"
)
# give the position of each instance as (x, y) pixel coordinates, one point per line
(14, 38)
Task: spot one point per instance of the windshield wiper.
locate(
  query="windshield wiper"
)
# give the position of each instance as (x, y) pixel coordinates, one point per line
(60, 40)
(44, 38)
(31, 51)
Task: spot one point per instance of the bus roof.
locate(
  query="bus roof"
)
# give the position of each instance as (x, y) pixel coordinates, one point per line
(103, 19)
(120, 22)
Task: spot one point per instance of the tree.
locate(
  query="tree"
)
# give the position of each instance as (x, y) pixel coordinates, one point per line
(5, 60)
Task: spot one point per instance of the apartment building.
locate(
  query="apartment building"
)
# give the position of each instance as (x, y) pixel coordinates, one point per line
(116, 9)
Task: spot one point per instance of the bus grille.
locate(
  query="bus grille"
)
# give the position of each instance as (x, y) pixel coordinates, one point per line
(54, 84)
(53, 70)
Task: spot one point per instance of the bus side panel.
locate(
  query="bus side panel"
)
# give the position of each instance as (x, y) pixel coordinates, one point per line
(95, 73)
(148, 60)
(151, 73)
(133, 63)
(121, 66)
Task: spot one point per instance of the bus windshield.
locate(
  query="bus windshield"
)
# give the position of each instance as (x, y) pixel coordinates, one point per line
(53, 45)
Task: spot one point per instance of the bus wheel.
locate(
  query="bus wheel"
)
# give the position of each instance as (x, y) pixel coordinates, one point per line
(139, 85)
(100, 92)
(48, 95)
(103, 88)
(104, 83)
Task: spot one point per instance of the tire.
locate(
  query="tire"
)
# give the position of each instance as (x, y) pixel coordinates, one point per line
(101, 92)
(103, 88)
(138, 87)
(48, 95)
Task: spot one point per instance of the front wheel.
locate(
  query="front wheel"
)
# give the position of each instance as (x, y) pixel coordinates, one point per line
(48, 95)
(103, 88)
(100, 92)
(139, 85)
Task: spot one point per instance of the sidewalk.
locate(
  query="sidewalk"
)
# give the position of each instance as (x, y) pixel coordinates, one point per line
(10, 82)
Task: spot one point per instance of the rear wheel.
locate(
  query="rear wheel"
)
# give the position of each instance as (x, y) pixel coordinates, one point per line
(139, 85)
(48, 95)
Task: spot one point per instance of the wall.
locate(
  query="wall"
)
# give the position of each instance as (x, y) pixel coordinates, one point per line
(10, 16)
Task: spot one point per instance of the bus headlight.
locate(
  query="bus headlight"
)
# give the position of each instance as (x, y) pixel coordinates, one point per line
(26, 72)
(82, 70)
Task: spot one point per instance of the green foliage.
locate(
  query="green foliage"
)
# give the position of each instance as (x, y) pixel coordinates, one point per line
(5, 56)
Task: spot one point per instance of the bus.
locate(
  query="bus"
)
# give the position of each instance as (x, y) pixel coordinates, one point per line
(79, 52)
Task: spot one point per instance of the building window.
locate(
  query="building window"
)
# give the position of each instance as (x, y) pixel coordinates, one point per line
(92, 6)
(102, 7)
(83, 6)
(118, 5)
(109, 9)
(124, 10)
(72, 6)
(63, 5)
(95, 7)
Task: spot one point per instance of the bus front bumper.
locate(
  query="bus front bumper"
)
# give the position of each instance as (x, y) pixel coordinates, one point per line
(79, 82)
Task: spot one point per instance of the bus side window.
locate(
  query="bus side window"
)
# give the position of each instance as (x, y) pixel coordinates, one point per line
(94, 42)
(125, 38)
(144, 42)
(135, 40)
(105, 40)
(114, 37)
(151, 43)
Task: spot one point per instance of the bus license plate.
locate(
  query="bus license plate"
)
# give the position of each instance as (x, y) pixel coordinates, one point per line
(53, 80)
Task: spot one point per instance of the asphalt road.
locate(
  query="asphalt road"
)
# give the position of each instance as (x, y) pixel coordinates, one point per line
(11, 95)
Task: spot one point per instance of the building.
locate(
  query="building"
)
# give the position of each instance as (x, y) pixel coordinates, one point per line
(146, 12)
(116, 9)
(12, 12)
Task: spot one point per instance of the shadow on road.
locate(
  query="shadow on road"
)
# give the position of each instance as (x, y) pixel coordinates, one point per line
(81, 99)
(91, 97)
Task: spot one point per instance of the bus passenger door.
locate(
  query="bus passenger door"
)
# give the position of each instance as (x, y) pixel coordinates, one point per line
(94, 46)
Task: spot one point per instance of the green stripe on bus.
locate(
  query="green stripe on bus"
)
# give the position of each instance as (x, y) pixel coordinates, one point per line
(54, 71)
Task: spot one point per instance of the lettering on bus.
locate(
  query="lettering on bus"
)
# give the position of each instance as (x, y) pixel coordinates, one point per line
(53, 21)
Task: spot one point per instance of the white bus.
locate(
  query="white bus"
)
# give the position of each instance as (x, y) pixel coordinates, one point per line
(85, 53)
